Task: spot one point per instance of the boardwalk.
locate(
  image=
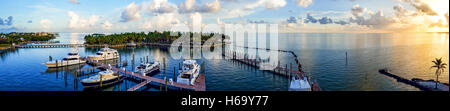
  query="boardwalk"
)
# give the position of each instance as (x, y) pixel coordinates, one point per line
(199, 83)
(50, 45)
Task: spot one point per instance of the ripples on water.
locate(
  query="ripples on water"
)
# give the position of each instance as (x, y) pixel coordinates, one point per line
(322, 56)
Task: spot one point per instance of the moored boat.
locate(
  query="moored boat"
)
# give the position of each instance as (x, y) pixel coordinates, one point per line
(299, 84)
(189, 72)
(147, 68)
(72, 59)
(103, 78)
(105, 54)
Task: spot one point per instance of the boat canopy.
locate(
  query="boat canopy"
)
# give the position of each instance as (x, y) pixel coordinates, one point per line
(73, 53)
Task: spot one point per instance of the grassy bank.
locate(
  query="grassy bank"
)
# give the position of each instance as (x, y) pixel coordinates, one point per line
(4, 46)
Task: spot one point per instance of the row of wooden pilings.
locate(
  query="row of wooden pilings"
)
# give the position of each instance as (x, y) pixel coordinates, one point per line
(257, 62)
(49, 46)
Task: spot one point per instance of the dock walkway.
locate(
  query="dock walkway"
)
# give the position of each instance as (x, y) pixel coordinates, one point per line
(50, 45)
(199, 84)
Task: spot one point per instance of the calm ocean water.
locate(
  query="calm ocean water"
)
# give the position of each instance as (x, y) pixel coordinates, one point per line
(323, 56)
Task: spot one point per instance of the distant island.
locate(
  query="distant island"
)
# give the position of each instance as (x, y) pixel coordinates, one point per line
(155, 37)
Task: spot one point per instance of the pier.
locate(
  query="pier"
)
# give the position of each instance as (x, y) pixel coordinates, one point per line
(50, 46)
(278, 69)
(414, 82)
(199, 84)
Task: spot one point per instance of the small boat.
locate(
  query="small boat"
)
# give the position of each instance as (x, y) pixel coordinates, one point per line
(189, 72)
(147, 68)
(72, 59)
(131, 44)
(298, 84)
(103, 78)
(105, 54)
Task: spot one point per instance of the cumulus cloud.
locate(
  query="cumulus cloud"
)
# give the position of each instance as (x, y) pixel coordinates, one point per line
(8, 21)
(268, 4)
(304, 3)
(310, 18)
(341, 22)
(421, 7)
(164, 21)
(323, 20)
(162, 6)
(45, 24)
(107, 25)
(76, 22)
(131, 13)
(147, 25)
(291, 20)
(74, 1)
(190, 6)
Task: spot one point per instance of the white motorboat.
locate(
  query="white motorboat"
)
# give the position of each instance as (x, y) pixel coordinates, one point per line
(189, 72)
(147, 68)
(72, 59)
(103, 78)
(105, 54)
(298, 84)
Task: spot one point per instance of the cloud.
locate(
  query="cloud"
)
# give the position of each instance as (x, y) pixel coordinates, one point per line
(162, 6)
(8, 21)
(76, 22)
(269, 4)
(45, 24)
(131, 13)
(190, 6)
(74, 1)
(304, 3)
(163, 21)
(107, 25)
(257, 21)
(376, 20)
(323, 20)
(147, 25)
(310, 18)
(341, 22)
(421, 7)
(357, 10)
(291, 20)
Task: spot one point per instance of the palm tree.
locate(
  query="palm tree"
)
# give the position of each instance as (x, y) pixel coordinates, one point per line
(440, 67)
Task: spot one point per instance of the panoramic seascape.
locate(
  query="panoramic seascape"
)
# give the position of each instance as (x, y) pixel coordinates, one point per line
(338, 62)
(225, 54)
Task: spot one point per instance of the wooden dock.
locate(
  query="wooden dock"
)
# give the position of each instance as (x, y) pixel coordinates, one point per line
(279, 69)
(199, 83)
(50, 45)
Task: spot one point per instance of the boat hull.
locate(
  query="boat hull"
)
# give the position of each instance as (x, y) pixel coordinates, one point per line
(64, 63)
(104, 83)
(102, 58)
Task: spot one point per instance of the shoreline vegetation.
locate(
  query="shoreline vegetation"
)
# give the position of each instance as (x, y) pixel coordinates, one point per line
(16, 38)
(151, 38)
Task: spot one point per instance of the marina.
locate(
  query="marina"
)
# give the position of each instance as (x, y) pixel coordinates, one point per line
(222, 75)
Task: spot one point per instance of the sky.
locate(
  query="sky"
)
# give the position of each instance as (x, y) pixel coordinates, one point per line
(317, 16)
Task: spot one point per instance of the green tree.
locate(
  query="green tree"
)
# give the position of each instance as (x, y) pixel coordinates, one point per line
(440, 67)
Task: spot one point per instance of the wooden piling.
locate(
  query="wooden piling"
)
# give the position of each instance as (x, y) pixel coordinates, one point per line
(101, 80)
